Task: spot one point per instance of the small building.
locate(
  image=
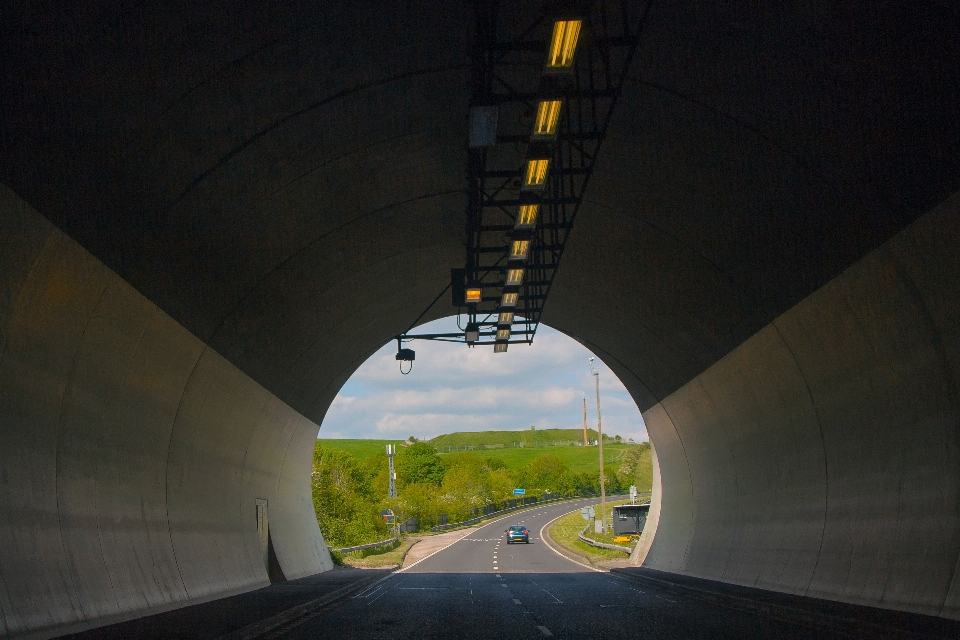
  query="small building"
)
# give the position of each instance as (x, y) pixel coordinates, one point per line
(629, 518)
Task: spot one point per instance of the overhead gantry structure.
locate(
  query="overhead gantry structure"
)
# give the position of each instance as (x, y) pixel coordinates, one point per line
(542, 96)
(210, 218)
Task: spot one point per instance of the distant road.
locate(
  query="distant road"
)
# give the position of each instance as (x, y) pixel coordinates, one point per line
(480, 587)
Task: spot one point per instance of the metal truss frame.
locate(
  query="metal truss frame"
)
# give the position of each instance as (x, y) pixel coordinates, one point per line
(509, 74)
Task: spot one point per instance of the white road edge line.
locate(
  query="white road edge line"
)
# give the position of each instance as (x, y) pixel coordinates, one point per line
(549, 546)
(544, 630)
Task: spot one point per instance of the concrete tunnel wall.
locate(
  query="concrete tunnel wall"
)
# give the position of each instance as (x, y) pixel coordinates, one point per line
(285, 184)
(822, 456)
(131, 454)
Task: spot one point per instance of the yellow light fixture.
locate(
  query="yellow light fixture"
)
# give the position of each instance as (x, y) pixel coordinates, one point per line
(509, 299)
(536, 174)
(518, 250)
(506, 317)
(474, 295)
(563, 44)
(527, 216)
(548, 115)
(500, 347)
(514, 277)
(503, 334)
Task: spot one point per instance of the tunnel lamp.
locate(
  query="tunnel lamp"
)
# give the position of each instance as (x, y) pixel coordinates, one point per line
(548, 114)
(519, 249)
(509, 299)
(474, 295)
(563, 44)
(506, 317)
(514, 277)
(503, 334)
(535, 177)
(527, 216)
(500, 347)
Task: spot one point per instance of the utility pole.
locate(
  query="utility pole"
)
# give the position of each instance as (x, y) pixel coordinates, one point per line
(603, 490)
(392, 449)
(586, 442)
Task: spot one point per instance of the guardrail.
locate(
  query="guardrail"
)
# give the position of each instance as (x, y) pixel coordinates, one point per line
(602, 545)
(361, 547)
(492, 514)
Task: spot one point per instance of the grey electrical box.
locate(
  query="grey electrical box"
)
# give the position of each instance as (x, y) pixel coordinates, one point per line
(483, 127)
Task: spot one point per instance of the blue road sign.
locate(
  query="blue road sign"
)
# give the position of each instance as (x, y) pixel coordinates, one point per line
(519, 492)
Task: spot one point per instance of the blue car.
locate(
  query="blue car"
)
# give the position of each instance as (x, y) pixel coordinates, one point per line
(518, 533)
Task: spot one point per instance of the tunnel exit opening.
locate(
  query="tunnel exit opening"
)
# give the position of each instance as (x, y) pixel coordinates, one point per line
(475, 433)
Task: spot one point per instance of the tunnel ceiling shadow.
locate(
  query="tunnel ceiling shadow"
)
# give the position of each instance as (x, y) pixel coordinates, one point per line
(286, 182)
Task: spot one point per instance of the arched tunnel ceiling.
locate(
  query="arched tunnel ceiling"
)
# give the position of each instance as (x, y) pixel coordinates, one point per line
(286, 180)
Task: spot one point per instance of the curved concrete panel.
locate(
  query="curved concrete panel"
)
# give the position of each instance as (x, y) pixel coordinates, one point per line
(824, 452)
(132, 455)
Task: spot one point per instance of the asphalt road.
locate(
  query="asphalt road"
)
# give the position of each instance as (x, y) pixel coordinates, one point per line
(480, 587)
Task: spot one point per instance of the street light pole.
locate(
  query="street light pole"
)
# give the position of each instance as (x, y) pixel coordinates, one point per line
(603, 490)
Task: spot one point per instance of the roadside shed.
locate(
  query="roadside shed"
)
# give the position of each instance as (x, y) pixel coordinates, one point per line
(629, 518)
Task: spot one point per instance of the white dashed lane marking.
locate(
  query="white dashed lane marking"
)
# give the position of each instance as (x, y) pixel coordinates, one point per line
(544, 630)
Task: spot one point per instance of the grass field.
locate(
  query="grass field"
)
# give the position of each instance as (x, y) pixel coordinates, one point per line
(360, 449)
(564, 531)
(577, 459)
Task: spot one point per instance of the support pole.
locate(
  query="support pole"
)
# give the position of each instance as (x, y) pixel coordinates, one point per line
(603, 490)
(586, 441)
(392, 492)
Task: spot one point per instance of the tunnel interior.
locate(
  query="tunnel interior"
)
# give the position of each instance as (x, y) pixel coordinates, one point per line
(210, 217)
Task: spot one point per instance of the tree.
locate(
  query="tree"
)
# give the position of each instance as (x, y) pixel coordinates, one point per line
(344, 499)
(419, 463)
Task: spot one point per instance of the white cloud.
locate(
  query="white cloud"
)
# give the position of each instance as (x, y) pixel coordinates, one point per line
(455, 388)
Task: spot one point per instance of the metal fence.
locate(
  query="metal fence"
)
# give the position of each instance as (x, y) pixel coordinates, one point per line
(361, 547)
(516, 445)
(532, 501)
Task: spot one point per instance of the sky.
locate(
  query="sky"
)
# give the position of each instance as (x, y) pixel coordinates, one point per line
(456, 388)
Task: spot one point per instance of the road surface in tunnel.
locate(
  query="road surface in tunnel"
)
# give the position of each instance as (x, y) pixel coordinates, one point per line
(481, 587)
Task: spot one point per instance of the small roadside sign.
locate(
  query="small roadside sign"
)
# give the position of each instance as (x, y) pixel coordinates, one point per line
(588, 512)
(387, 515)
(519, 492)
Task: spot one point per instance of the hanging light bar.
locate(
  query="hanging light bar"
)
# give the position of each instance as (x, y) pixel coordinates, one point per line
(509, 299)
(563, 44)
(535, 177)
(514, 277)
(548, 114)
(503, 334)
(474, 295)
(527, 216)
(519, 249)
(500, 347)
(506, 317)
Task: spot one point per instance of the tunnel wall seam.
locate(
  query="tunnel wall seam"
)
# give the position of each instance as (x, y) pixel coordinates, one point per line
(826, 493)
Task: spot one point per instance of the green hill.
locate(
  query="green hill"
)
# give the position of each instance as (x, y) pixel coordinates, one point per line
(510, 438)
(577, 458)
